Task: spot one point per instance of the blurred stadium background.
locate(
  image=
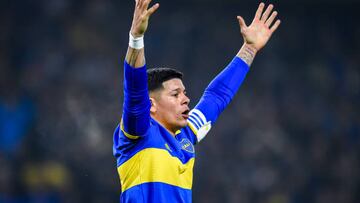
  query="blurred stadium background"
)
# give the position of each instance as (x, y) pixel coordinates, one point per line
(292, 134)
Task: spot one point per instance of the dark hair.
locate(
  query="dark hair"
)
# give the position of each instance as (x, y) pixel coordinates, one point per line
(156, 76)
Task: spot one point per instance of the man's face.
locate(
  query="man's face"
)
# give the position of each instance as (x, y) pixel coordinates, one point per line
(170, 105)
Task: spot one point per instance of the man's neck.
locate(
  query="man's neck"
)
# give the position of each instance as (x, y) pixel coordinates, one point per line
(172, 132)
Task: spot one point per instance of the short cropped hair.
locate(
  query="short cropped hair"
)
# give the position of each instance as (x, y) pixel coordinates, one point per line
(156, 77)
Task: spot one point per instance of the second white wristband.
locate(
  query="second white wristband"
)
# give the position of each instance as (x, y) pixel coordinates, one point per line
(136, 42)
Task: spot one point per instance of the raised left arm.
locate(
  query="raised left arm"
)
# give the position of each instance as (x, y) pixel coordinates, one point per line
(224, 86)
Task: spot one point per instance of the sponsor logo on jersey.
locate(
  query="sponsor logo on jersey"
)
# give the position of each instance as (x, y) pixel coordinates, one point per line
(167, 147)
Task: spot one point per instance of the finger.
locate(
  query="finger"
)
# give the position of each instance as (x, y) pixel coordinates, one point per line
(145, 4)
(241, 22)
(267, 13)
(271, 19)
(275, 26)
(137, 3)
(152, 9)
(140, 3)
(259, 11)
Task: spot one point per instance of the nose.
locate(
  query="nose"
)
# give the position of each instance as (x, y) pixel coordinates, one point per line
(186, 100)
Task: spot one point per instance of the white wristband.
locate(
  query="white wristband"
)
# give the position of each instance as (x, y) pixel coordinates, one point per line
(136, 42)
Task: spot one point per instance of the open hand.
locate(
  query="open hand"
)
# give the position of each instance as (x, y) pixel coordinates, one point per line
(141, 17)
(259, 32)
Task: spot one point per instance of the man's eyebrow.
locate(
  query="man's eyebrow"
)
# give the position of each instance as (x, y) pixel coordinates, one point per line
(178, 90)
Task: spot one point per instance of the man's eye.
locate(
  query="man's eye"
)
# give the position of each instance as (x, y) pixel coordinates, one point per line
(176, 95)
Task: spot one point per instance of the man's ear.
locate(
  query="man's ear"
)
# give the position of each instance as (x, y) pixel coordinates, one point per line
(153, 105)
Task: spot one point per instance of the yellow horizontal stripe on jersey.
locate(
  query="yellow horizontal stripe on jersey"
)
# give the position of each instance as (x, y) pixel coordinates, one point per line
(155, 165)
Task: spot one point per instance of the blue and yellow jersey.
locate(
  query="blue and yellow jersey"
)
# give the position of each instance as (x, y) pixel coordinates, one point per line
(153, 165)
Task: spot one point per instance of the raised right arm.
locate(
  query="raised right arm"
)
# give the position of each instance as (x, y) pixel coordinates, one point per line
(136, 109)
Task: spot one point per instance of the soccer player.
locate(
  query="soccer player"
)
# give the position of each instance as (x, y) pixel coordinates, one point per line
(154, 142)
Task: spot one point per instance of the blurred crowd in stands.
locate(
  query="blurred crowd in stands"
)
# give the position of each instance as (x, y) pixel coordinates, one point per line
(291, 135)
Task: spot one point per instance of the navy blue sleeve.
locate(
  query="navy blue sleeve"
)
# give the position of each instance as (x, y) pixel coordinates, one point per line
(222, 89)
(136, 107)
(216, 97)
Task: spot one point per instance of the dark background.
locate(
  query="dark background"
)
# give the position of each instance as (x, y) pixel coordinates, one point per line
(291, 135)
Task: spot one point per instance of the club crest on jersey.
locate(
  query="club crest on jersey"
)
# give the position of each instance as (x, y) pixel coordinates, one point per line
(187, 145)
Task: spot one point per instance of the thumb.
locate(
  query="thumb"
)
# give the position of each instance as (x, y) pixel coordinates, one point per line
(241, 22)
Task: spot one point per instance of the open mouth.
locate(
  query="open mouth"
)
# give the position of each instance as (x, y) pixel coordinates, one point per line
(185, 114)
